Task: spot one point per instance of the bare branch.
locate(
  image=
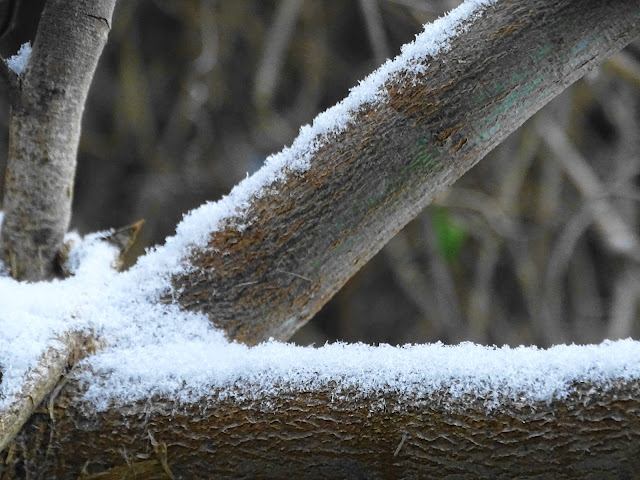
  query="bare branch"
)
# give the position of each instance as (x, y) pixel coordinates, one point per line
(273, 57)
(619, 237)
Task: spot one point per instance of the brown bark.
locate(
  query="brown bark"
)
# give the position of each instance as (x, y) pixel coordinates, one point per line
(318, 228)
(44, 133)
(331, 433)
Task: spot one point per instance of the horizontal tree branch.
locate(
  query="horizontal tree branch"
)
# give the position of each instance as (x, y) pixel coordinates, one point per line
(268, 271)
(335, 432)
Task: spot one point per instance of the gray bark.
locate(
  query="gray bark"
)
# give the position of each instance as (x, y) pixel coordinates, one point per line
(44, 133)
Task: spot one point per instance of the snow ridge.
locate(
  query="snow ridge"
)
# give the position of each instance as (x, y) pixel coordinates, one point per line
(233, 371)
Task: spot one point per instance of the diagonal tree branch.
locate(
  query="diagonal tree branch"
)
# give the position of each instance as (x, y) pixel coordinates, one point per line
(41, 381)
(268, 270)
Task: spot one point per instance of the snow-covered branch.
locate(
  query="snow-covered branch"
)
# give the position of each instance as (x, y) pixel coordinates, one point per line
(266, 258)
(351, 411)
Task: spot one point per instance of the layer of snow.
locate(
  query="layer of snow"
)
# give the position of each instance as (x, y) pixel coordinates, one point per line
(18, 62)
(155, 348)
(413, 371)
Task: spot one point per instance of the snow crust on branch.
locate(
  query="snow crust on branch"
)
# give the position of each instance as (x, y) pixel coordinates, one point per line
(154, 348)
(196, 226)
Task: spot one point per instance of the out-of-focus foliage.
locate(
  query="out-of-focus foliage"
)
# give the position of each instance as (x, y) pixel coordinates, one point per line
(450, 235)
(534, 245)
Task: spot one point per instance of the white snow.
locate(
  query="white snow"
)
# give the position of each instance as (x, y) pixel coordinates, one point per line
(413, 371)
(155, 348)
(18, 62)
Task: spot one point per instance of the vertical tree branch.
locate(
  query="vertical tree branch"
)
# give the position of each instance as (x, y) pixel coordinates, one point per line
(45, 131)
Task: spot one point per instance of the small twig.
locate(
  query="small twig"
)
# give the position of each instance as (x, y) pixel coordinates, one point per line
(10, 461)
(52, 399)
(441, 277)
(160, 448)
(54, 395)
(375, 29)
(208, 57)
(491, 210)
(585, 301)
(559, 258)
(411, 279)
(293, 274)
(624, 303)
(123, 239)
(402, 440)
(481, 292)
(276, 43)
(617, 234)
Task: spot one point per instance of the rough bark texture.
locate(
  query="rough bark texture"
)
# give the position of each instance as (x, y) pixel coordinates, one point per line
(329, 433)
(364, 184)
(44, 133)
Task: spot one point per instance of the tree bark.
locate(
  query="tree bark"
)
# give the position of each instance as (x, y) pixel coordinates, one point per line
(316, 229)
(44, 133)
(330, 432)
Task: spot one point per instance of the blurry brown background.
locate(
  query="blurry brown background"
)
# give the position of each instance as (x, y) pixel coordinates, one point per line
(536, 245)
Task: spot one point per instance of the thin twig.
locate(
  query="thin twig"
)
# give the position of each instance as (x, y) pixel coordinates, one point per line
(402, 440)
(375, 30)
(278, 39)
(294, 274)
(618, 236)
(624, 305)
